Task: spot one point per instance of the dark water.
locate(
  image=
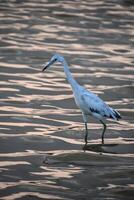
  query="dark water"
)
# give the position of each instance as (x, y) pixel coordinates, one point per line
(41, 129)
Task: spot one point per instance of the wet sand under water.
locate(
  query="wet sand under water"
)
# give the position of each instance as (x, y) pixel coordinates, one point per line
(42, 150)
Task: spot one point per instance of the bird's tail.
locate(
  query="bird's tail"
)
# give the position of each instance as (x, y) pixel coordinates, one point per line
(116, 114)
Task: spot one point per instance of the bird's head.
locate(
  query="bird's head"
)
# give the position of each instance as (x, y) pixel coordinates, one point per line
(55, 58)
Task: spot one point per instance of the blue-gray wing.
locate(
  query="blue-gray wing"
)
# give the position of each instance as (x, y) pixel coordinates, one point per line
(97, 105)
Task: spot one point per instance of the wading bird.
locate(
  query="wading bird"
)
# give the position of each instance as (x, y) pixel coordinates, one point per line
(88, 102)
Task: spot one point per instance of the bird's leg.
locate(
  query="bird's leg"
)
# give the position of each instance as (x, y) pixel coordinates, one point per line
(86, 134)
(104, 125)
(85, 121)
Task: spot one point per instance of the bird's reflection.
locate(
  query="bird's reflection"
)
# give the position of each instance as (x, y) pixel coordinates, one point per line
(102, 148)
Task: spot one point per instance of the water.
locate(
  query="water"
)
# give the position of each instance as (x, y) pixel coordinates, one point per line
(41, 129)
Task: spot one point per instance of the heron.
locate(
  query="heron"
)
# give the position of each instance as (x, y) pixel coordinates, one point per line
(89, 103)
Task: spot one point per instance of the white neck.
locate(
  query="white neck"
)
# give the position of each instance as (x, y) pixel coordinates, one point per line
(69, 76)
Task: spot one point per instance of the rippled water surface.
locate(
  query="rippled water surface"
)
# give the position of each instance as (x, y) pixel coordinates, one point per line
(42, 153)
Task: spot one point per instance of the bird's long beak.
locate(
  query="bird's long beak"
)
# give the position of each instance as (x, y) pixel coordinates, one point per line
(45, 66)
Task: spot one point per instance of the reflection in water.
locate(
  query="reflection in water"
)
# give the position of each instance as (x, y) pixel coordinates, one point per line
(38, 117)
(99, 147)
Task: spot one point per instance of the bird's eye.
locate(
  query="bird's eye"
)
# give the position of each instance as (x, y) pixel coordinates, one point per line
(55, 59)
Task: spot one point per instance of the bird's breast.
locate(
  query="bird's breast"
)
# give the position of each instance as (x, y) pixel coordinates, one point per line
(81, 104)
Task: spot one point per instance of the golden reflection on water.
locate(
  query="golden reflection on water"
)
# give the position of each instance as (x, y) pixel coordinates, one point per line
(57, 173)
(31, 194)
(10, 163)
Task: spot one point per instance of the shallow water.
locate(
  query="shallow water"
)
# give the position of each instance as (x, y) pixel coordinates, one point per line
(42, 152)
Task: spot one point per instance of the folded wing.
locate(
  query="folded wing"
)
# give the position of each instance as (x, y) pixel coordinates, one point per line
(95, 105)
